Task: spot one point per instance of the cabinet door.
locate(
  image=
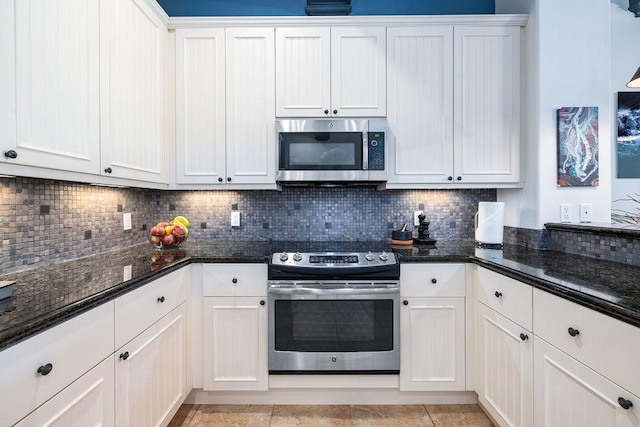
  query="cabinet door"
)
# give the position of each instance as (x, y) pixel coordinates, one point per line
(303, 72)
(250, 59)
(151, 372)
(505, 368)
(487, 104)
(432, 344)
(235, 343)
(420, 110)
(88, 401)
(133, 43)
(358, 72)
(200, 106)
(55, 85)
(568, 394)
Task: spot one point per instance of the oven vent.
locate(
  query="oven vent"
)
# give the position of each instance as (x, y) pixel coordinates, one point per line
(328, 7)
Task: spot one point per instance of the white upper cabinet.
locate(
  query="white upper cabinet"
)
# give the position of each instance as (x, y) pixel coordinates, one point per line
(454, 105)
(133, 45)
(225, 112)
(487, 104)
(338, 71)
(50, 84)
(250, 83)
(420, 104)
(200, 106)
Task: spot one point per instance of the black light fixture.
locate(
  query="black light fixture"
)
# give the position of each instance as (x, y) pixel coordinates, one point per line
(329, 7)
(634, 6)
(635, 80)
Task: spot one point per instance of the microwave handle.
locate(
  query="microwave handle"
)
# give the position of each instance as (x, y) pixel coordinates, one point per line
(365, 150)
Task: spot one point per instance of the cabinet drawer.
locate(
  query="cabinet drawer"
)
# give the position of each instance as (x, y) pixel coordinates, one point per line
(72, 348)
(505, 295)
(432, 280)
(605, 344)
(227, 280)
(140, 308)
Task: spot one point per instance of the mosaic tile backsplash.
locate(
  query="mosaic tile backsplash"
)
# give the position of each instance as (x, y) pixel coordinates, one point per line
(47, 221)
(623, 249)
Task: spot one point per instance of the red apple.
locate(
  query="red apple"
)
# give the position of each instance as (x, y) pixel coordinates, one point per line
(168, 240)
(162, 224)
(179, 230)
(179, 239)
(157, 231)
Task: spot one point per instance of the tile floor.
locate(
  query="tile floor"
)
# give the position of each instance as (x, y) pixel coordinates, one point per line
(330, 416)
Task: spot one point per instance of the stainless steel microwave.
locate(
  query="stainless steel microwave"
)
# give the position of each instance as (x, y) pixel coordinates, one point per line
(339, 151)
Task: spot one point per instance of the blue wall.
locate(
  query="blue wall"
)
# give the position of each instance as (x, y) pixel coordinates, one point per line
(296, 7)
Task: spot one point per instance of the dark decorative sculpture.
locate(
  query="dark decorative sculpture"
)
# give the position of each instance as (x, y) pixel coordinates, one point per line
(423, 232)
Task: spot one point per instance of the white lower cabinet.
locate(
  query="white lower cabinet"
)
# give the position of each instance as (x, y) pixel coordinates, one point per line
(505, 368)
(88, 401)
(151, 372)
(235, 343)
(569, 394)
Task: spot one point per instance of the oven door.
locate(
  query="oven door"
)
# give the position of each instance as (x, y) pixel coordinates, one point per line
(334, 327)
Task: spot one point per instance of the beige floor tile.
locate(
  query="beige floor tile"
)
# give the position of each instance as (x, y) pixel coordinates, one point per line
(458, 416)
(232, 416)
(310, 416)
(183, 417)
(390, 416)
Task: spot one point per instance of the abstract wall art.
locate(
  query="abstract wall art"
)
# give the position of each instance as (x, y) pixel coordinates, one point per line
(578, 164)
(628, 142)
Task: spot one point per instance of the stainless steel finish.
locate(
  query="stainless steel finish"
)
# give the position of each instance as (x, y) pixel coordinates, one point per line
(329, 289)
(323, 125)
(283, 256)
(304, 259)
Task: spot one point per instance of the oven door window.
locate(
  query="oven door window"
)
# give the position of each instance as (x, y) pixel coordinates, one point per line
(321, 150)
(333, 325)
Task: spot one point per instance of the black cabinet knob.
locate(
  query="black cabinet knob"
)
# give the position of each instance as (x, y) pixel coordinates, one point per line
(161, 299)
(125, 355)
(108, 170)
(449, 178)
(326, 111)
(262, 302)
(228, 179)
(626, 404)
(524, 337)
(45, 369)
(335, 111)
(234, 280)
(573, 332)
(434, 280)
(498, 294)
(11, 154)
(219, 179)
(459, 178)
(405, 302)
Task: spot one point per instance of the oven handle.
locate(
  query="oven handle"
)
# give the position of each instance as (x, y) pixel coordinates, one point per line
(340, 291)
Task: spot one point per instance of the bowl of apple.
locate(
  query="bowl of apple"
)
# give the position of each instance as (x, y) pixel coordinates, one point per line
(170, 235)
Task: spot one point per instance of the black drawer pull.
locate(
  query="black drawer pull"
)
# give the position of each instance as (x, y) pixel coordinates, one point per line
(45, 369)
(262, 302)
(434, 280)
(573, 332)
(524, 337)
(125, 355)
(498, 294)
(108, 170)
(11, 154)
(234, 280)
(626, 404)
(405, 302)
(326, 111)
(161, 299)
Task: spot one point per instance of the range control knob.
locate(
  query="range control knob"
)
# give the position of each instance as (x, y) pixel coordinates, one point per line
(384, 256)
(370, 256)
(297, 256)
(284, 256)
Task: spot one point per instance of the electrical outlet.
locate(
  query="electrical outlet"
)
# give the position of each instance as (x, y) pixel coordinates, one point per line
(127, 272)
(235, 219)
(585, 212)
(565, 212)
(126, 221)
(416, 220)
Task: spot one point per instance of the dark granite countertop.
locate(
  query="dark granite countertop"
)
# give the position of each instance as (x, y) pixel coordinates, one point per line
(46, 296)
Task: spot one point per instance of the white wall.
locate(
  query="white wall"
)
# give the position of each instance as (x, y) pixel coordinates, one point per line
(566, 58)
(625, 60)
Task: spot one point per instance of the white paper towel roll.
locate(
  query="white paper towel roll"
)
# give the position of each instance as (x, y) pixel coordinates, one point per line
(490, 222)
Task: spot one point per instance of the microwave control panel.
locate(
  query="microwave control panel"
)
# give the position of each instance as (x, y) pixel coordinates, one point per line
(376, 151)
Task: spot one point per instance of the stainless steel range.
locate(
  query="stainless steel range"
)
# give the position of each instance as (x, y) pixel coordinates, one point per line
(334, 312)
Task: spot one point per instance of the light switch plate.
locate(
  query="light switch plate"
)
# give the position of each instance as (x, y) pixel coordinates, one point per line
(235, 219)
(586, 212)
(126, 220)
(126, 273)
(416, 220)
